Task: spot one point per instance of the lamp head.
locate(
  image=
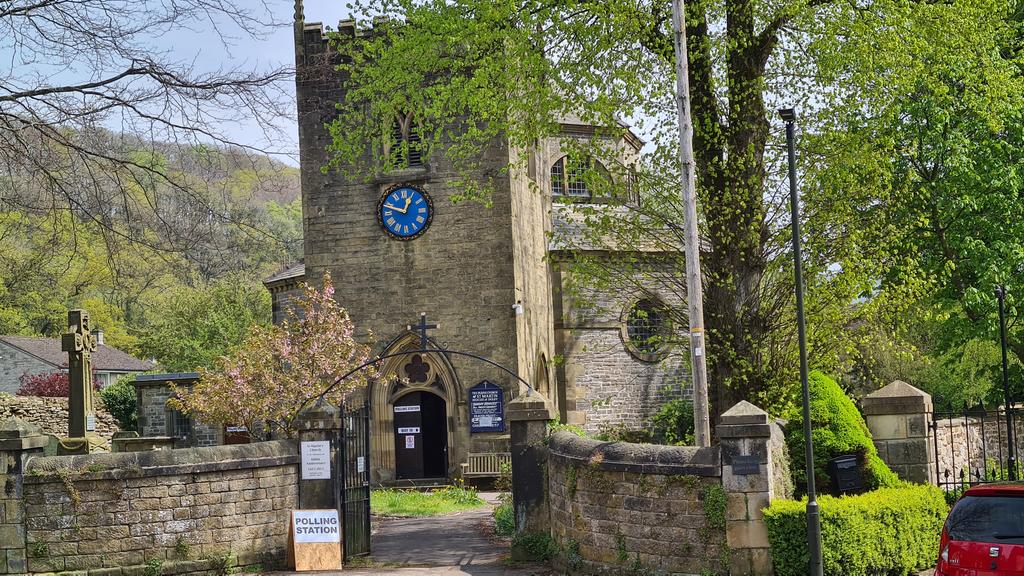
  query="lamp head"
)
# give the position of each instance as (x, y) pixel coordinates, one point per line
(788, 114)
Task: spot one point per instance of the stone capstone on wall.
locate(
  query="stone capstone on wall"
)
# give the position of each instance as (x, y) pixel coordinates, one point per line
(619, 506)
(187, 510)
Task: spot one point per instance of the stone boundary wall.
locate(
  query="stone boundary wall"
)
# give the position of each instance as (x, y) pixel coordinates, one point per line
(181, 511)
(51, 414)
(965, 443)
(635, 507)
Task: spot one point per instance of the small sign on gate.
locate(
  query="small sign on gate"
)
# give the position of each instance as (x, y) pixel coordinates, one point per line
(316, 460)
(314, 540)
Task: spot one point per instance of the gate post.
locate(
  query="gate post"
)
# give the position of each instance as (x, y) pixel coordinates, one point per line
(899, 416)
(321, 423)
(528, 417)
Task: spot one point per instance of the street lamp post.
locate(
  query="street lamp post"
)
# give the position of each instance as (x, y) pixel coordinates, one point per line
(1011, 461)
(813, 513)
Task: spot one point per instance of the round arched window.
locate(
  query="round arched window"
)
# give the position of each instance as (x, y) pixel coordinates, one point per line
(570, 178)
(646, 330)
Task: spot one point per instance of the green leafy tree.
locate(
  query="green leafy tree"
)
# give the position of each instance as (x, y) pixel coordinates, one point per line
(474, 72)
(920, 170)
(188, 328)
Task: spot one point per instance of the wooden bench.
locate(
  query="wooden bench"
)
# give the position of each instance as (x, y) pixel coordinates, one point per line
(485, 464)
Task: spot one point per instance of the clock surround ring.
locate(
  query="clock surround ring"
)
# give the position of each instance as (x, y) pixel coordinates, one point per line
(384, 200)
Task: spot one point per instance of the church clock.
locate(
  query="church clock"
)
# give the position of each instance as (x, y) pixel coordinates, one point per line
(405, 211)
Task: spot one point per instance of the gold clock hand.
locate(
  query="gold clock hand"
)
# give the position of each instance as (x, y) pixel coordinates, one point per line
(407, 202)
(397, 209)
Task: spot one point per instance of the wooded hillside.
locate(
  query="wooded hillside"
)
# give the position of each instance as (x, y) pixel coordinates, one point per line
(171, 271)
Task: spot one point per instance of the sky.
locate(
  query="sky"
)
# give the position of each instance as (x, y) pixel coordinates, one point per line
(277, 49)
(199, 46)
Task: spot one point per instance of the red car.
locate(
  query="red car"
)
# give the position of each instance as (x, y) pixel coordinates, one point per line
(984, 533)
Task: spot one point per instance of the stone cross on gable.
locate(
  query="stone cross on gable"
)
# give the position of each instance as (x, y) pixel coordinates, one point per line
(79, 343)
(422, 329)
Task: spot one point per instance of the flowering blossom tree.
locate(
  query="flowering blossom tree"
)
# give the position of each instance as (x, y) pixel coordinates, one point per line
(277, 371)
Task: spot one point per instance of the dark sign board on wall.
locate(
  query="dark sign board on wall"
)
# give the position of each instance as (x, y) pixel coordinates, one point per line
(486, 408)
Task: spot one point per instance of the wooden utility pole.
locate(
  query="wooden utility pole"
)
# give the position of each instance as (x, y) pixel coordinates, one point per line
(694, 284)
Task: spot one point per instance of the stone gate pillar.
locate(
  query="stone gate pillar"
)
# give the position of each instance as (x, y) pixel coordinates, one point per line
(755, 470)
(19, 441)
(898, 417)
(528, 417)
(320, 424)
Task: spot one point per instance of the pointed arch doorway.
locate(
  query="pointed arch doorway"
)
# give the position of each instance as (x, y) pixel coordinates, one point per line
(415, 412)
(421, 436)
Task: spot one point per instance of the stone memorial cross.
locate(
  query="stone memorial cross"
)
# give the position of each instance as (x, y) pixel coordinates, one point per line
(79, 343)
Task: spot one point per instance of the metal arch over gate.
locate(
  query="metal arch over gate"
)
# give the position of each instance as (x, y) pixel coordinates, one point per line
(354, 485)
(354, 451)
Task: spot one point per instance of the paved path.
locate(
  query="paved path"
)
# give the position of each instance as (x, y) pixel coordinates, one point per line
(455, 544)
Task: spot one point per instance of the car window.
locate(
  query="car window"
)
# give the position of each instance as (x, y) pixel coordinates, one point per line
(987, 519)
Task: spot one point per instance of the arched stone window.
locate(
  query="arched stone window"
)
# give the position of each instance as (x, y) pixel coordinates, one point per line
(646, 329)
(569, 179)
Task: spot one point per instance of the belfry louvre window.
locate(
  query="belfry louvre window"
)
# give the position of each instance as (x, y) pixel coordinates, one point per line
(405, 146)
(569, 178)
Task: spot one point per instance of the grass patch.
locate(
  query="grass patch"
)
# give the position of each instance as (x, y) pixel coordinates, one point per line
(389, 502)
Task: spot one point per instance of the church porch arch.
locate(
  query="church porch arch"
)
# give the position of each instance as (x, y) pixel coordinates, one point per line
(403, 375)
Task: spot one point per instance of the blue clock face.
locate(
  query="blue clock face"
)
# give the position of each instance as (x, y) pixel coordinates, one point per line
(405, 212)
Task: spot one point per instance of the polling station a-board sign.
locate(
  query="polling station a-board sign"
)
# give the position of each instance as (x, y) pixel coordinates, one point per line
(315, 540)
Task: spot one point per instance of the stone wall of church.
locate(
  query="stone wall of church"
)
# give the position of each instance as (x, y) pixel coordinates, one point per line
(606, 385)
(531, 226)
(460, 271)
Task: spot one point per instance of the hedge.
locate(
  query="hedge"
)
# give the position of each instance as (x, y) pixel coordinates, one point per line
(838, 429)
(893, 531)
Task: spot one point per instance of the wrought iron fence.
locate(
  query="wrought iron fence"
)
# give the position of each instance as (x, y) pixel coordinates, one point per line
(974, 446)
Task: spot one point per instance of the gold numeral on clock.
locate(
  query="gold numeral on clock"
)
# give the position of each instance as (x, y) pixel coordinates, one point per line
(419, 219)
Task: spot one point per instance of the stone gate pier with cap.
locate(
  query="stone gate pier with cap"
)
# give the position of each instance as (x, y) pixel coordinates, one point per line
(619, 507)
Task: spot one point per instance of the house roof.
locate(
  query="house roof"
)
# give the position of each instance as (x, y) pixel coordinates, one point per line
(105, 358)
(293, 272)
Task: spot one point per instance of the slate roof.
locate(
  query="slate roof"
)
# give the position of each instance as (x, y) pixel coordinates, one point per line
(294, 271)
(106, 358)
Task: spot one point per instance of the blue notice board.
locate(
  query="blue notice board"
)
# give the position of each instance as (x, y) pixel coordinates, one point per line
(486, 408)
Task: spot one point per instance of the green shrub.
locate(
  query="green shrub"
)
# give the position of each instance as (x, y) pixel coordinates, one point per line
(673, 424)
(504, 518)
(838, 428)
(623, 433)
(556, 425)
(119, 398)
(533, 546)
(889, 531)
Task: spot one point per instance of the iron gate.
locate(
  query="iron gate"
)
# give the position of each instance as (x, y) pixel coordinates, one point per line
(355, 480)
(976, 446)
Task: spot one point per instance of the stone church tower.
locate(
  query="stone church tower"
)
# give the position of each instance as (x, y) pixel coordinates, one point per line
(397, 246)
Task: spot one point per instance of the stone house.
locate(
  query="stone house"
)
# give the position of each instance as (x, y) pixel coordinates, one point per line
(33, 355)
(492, 278)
